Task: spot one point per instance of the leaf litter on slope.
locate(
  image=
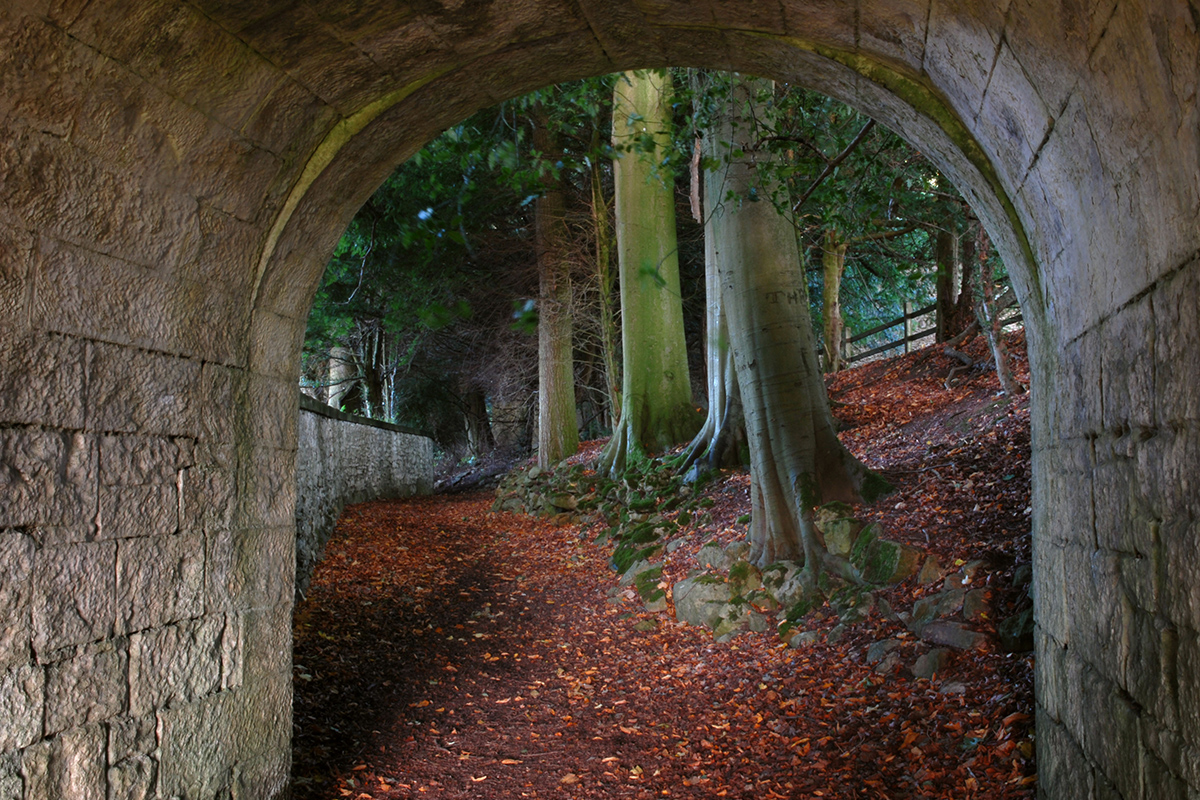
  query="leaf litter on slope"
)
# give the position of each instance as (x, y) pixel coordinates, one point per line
(448, 651)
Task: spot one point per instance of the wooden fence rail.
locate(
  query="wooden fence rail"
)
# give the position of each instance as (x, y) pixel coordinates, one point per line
(907, 339)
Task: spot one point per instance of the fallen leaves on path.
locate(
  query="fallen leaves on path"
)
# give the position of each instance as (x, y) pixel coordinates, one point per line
(448, 651)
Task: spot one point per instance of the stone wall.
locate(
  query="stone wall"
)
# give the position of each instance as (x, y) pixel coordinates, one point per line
(346, 459)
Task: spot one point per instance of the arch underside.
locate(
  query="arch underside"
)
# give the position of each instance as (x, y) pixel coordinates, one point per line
(174, 176)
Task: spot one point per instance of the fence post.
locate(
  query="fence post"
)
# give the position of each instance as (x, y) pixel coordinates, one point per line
(907, 325)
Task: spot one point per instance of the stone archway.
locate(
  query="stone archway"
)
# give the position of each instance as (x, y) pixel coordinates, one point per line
(174, 175)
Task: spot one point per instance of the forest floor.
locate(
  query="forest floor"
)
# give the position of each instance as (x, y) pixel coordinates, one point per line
(448, 651)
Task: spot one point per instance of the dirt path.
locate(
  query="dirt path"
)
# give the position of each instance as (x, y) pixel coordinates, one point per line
(446, 651)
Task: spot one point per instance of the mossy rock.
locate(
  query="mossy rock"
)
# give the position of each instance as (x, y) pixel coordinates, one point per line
(885, 562)
(744, 577)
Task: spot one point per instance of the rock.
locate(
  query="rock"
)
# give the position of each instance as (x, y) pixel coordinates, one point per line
(534, 473)
(953, 688)
(952, 634)
(711, 556)
(830, 512)
(1015, 634)
(888, 664)
(674, 545)
(931, 571)
(796, 587)
(635, 569)
(645, 625)
(931, 663)
(1022, 576)
(886, 562)
(943, 604)
(744, 578)
(975, 605)
(737, 551)
(878, 650)
(701, 600)
(835, 634)
(567, 502)
(757, 622)
(886, 611)
(840, 535)
(803, 639)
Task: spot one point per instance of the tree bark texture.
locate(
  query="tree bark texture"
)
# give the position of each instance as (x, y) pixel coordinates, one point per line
(796, 459)
(722, 439)
(833, 266)
(558, 435)
(656, 395)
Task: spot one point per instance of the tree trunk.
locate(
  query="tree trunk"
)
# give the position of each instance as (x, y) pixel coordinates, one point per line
(946, 256)
(988, 311)
(656, 394)
(558, 436)
(479, 430)
(833, 265)
(796, 459)
(722, 439)
(607, 280)
(341, 376)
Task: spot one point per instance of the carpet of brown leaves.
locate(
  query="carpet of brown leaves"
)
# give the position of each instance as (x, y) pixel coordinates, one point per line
(447, 651)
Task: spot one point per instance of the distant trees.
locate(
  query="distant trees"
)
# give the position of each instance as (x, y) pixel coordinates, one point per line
(504, 227)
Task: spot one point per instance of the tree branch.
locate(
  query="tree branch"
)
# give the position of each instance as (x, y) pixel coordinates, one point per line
(834, 164)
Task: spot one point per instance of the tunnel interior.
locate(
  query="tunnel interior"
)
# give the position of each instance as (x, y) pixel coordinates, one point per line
(174, 176)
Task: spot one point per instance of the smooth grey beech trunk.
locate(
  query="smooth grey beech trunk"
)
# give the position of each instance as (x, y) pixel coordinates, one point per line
(796, 459)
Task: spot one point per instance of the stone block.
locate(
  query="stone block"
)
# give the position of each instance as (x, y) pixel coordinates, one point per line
(47, 478)
(1159, 782)
(176, 663)
(16, 268)
(22, 700)
(134, 391)
(88, 687)
(1063, 770)
(46, 73)
(16, 587)
(133, 779)
(159, 580)
(199, 748)
(1097, 612)
(1127, 367)
(74, 600)
(275, 342)
(701, 600)
(274, 406)
(139, 460)
(1050, 606)
(71, 765)
(1180, 571)
(222, 391)
(127, 512)
(207, 500)
(1189, 690)
(130, 737)
(12, 787)
(250, 568)
(118, 215)
(1050, 674)
(1013, 121)
(232, 648)
(271, 495)
(51, 369)
(1177, 340)
(1111, 736)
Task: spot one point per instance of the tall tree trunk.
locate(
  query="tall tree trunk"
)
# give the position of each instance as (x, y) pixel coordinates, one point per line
(796, 459)
(607, 280)
(479, 430)
(722, 439)
(833, 265)
(946, 258)
(341, 376)
(988, 310)
(558, 435)
(656, 392)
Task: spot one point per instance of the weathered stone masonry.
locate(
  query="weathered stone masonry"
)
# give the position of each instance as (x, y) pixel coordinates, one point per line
(174, 175)
(346, 459)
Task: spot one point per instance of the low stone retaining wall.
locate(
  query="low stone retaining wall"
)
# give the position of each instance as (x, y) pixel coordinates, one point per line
(347, 459)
